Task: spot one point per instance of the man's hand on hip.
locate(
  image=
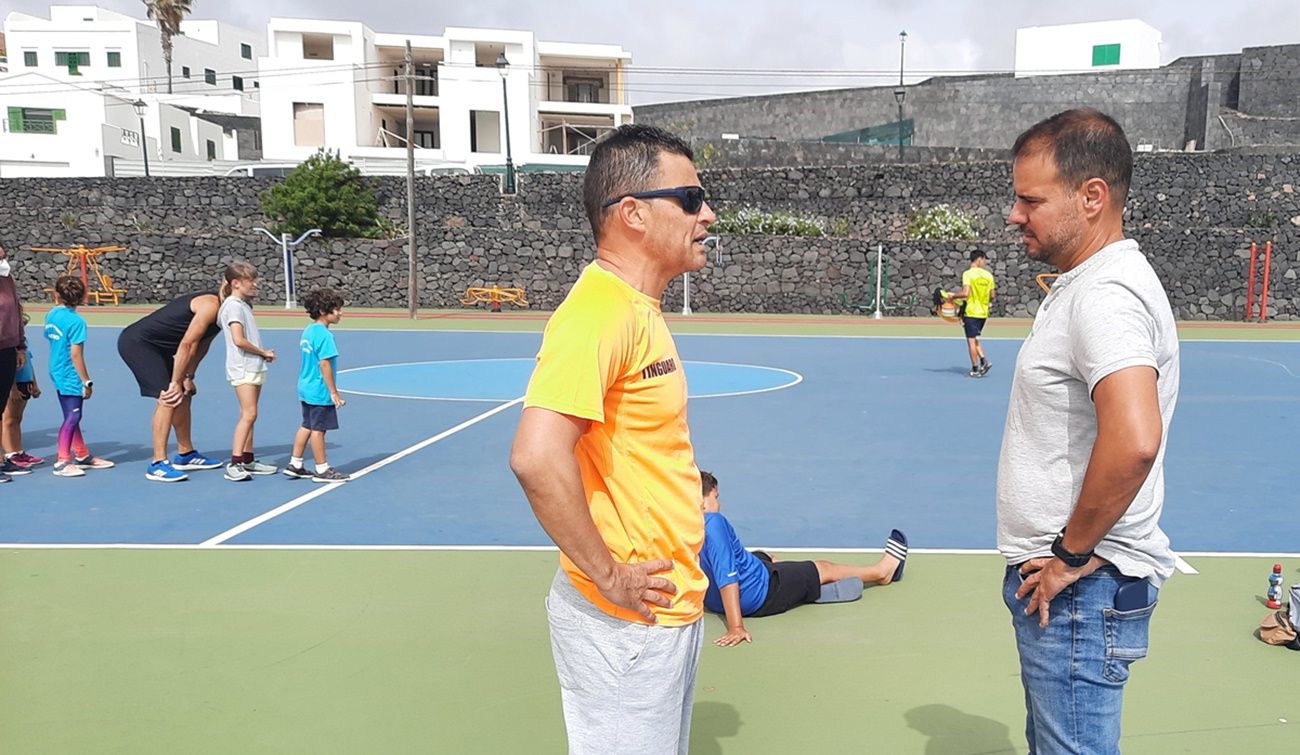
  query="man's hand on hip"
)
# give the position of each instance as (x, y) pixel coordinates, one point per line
(631, 586)
(1045, 578)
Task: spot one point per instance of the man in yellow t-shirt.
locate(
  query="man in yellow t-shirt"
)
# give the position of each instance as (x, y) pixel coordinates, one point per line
(604, 455)
(978, 289)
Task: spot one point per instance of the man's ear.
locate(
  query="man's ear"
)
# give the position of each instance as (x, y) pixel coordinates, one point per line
(632, 213)
(1095, 195)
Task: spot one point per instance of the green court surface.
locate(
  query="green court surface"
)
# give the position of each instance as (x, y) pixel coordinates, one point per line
(241, 651)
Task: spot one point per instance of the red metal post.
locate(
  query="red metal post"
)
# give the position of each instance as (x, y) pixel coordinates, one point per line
(1263, 293)
(1250, 283)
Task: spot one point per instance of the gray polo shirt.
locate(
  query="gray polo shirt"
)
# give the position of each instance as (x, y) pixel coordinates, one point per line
(239, 362)
(1105, 315)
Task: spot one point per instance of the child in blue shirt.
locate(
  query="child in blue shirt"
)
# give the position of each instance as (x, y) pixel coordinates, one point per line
(316, 389)
(742, 583)
(66, 332)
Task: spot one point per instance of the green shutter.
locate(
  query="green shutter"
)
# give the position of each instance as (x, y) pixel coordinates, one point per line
(176, 139)
(115, 60)
(16, 120)
(59, 115)
(1105, 55)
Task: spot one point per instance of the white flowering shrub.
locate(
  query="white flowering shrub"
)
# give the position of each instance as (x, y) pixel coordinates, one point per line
(943, 223)
(759, 223)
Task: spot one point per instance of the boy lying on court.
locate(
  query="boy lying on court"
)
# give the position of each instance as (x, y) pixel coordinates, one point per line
(742, 583)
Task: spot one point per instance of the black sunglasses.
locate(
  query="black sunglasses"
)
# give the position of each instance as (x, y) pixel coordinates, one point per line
(691, 198)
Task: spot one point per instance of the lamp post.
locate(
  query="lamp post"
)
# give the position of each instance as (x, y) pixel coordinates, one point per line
(900, 93)
(140, 106)
(503, 66)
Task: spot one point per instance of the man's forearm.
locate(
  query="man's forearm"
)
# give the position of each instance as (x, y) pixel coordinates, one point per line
(1116, 471)
(184, 361)
(555, 493)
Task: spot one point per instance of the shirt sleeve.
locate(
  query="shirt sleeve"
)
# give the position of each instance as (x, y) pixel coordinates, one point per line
(324, 345)
(718, 552)
(966, 277)
(76, 331)
(581, 357)
(1115, 331)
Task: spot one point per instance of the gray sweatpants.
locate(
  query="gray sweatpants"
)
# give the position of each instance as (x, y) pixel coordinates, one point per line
(625, 687)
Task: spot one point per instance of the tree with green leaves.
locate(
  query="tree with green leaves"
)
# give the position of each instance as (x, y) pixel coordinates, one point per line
(327, 193)
(168, 14)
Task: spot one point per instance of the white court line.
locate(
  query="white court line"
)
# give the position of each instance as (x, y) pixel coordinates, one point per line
(300, 500)
(1183, 566)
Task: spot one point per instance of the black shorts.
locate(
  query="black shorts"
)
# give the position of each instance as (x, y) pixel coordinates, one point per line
(789, 584)
(317, 417)
(973, 326)
(151, 367)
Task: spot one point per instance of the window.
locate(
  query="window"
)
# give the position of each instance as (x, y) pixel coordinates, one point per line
(582, 89)
(212, 150)
(115, 60)
(185, 72)
(237, 83)
(318, 46)
(73, 61)
(246, 51)
(309, 124)
(485, 131)
(210, 76)
(34, 120)
(29, 59)
(1105, 55)
(176, 139)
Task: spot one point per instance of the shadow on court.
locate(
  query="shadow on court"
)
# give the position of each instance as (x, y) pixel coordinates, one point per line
(953, 732)
(710, 724)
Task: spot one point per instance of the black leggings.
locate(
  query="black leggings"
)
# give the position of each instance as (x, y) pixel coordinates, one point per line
(8, 367)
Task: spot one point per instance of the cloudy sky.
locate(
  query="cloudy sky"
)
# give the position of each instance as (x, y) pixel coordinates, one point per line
(702, 49)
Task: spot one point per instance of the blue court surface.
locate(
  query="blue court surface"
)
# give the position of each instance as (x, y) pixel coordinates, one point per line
(818, 442)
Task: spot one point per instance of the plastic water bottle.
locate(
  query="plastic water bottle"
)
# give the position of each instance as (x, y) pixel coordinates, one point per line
(1275, 587)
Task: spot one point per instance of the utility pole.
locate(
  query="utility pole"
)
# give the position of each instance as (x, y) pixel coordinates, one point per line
(411, 292)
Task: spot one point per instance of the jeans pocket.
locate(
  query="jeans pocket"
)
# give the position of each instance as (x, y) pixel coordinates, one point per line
(1126, 640)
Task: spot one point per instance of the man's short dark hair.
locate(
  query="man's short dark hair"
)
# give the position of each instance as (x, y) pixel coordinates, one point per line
(1084, 143)
(70, 289)
(321, 301)
(708, 483)
(978, 255)
(626, 161)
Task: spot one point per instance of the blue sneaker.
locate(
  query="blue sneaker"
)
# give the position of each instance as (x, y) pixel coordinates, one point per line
(195, 460)
(161, 471)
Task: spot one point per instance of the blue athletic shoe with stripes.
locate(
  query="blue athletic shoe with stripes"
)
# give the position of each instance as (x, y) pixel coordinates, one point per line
(195, 460)
(162, 471)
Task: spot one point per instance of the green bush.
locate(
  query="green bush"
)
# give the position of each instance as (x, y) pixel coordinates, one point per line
(758, 223)
(943, 223)
(326, 193)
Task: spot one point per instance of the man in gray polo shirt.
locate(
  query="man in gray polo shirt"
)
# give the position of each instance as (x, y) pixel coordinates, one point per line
(1080, 479)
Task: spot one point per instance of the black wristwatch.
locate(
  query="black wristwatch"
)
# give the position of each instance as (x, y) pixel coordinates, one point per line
(1072, 560)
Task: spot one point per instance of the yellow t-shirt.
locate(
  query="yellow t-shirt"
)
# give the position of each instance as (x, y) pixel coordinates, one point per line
(981, 286)
(607, 356)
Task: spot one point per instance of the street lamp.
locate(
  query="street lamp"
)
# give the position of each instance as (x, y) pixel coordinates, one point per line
(503, 68)
(900, 93)
(140, 106)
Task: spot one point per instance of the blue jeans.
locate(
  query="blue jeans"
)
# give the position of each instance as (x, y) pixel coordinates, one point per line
(1074, 670)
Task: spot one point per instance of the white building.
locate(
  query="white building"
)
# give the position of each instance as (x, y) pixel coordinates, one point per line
(1083, 48)
(334, 84)
(66, 128)
(67, 98)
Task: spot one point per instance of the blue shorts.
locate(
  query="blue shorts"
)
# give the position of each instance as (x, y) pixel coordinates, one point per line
(317, 417)
(973, 326)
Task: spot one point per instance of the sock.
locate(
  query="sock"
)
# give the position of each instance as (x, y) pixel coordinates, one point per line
(246, 457)
(12, 454)
(295, 461)
(983, 361)
(322, 467)
(236, 459)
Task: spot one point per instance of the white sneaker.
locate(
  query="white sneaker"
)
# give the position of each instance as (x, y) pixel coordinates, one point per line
(237, 473)
(68, 469)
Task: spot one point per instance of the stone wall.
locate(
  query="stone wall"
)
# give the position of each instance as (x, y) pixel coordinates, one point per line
(1269, 84)
(967, 112)
(766, 153)
(1196, 215)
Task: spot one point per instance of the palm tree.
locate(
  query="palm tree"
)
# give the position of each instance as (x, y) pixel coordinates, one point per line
(168, 14)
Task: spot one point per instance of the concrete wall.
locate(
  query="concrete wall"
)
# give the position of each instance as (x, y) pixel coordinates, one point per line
(1194, 214)
(1269, 83)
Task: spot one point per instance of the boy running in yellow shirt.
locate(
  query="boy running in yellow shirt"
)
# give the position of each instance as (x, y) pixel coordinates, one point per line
(978, 289)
